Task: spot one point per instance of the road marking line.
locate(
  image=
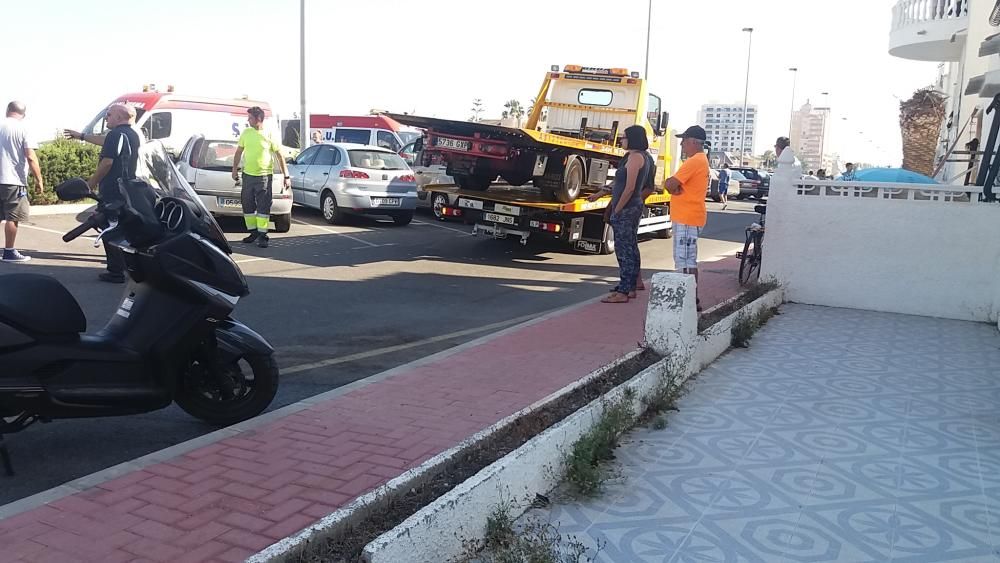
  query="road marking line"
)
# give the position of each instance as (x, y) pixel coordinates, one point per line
(53, 231)
(250, 260)
(333, 232)
(464, 232)
(408, 345)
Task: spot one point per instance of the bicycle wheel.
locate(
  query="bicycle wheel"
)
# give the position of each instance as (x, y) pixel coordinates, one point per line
(750, 263)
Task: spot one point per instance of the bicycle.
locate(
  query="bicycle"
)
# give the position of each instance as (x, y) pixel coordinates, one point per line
(753, 249)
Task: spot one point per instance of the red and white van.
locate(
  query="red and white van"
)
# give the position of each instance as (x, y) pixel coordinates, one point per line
(374, 130)
(174, 118)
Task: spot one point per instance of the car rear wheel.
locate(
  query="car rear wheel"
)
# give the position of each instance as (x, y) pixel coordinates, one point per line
(402, 218)
(608, 246)
(572, 181)
(331, 212)
(283, 223)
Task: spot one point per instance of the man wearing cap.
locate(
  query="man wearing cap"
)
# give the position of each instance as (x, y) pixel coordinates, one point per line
(688, 188)
(260, 151)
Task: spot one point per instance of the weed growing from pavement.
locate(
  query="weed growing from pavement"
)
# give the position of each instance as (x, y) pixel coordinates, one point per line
(583, 470)
(748, 324)
(533, 541)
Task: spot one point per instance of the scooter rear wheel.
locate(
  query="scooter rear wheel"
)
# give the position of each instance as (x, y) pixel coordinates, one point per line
(224, 395)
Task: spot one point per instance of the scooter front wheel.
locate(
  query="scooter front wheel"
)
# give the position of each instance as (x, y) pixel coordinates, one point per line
(229, 393)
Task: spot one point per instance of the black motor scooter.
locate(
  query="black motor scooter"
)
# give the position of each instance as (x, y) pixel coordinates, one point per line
(171, 339)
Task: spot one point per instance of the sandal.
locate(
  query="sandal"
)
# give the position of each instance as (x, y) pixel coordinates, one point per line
(615, 297)
(631, 294)
(640, 286)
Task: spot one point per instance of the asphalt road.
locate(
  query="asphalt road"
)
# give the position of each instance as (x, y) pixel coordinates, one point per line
(322, 294)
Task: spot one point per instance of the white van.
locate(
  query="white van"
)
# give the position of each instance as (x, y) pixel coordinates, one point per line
(373, 130)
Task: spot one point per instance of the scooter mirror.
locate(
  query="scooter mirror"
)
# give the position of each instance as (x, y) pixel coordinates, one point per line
(74, 189)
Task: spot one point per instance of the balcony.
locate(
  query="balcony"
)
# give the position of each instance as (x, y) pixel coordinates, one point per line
(929, 30)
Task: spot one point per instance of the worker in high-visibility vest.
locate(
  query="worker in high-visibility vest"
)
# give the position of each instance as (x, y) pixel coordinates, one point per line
(261, 151)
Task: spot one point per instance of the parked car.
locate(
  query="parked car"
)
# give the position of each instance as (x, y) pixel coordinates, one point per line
(207, 165)
(713, 189)
(341, 178)
(755, 185)
(427, 178)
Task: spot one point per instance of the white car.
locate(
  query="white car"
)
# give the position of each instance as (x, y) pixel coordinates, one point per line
(341, 178)
(427, 177)
(207, 165)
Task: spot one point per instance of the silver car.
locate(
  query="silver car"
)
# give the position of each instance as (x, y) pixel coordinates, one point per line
(207, 165)
(341, 178)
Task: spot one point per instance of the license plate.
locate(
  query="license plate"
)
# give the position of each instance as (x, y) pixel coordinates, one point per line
(456, 144)
(496, 218)
(385, 202)
(588, 246)
(470, 203)
(230, 202)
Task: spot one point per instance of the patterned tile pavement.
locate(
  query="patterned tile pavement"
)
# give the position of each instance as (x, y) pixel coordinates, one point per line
(839, 435)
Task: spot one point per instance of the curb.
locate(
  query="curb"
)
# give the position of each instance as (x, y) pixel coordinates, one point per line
(433, 533)
(60, 209)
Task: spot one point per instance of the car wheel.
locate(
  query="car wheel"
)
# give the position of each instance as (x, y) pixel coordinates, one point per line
(402, 218)
(283, 223)
(438, 201)
(331, 212)
(572, 181)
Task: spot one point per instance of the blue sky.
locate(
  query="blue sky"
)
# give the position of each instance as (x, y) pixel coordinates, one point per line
(66, 60)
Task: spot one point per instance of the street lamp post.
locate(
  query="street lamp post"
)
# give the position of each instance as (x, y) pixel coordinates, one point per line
(649, 24)
(746, 91)
(304, 115)
(795, 75)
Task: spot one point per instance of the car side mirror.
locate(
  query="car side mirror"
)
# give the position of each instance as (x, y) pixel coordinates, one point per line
(290, 160)
(74, 189)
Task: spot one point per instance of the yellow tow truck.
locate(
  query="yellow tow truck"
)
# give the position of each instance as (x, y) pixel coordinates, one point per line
(569, 146)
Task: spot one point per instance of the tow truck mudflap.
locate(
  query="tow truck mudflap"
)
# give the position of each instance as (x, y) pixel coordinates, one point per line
(498, 232)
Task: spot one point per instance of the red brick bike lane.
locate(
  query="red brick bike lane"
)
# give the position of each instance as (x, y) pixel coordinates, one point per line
(232, 498)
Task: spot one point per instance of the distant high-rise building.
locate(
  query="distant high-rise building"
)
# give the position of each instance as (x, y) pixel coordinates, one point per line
(808, 135)
(723, 125)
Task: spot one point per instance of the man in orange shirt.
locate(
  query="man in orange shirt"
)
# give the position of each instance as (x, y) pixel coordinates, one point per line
(687, 189)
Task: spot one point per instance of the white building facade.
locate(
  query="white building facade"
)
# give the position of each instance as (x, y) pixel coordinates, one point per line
(808, 135)
(723, 125)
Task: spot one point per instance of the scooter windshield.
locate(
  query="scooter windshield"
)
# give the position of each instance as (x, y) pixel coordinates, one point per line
(157, 168)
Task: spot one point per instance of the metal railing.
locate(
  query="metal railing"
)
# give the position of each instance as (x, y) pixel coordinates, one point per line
(908, 12)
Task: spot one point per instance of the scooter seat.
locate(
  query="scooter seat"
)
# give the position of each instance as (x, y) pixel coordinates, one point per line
(39, 304)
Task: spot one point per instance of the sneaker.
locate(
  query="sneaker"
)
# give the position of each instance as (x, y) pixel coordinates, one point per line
(12, 255)
(262, 240)
(252, 237)
(111, 277)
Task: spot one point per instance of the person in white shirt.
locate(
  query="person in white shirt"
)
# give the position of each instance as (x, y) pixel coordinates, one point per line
(17, 157)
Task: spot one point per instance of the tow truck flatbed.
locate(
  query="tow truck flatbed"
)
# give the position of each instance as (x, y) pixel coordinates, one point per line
(522, 212)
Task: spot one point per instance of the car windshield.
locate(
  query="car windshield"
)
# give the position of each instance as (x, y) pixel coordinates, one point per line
(99, 125)
(376, 160)
(735, 175)
(157, 169)
(408, 136)
(216, 155)
(750, 173)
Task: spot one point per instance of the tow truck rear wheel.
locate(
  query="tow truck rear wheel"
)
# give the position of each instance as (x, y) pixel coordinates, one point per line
(474, 182)
(569, 190)
(608, 246)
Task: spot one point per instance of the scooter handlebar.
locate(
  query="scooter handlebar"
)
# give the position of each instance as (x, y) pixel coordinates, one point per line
(90, 223)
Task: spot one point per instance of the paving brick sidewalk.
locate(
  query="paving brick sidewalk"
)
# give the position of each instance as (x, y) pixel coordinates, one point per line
(228, 500)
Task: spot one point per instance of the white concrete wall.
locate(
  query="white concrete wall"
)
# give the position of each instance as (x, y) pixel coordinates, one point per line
(883, 247)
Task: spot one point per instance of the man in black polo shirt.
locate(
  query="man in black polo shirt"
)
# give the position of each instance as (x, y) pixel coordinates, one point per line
(119, 156)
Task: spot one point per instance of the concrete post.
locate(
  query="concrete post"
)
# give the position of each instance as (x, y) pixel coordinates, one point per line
(672, 317)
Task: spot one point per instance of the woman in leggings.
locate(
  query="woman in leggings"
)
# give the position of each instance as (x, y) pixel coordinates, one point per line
(626, 210)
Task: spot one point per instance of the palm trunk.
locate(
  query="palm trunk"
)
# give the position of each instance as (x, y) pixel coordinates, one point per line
(920, 120)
